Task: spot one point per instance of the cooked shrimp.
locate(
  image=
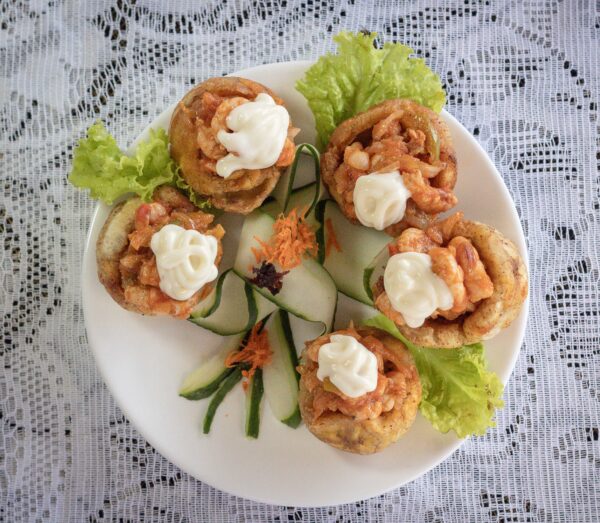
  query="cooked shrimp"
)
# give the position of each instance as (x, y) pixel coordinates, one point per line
(416, 141)
(385, 153)
(148, 274)
(477, 282)
(287, 154)
(413, 240)
(208, 144)
(444, 264)
(431, 199)
(409, 163)
(219, 120)
(384, 305)
(441, 231)
(356, 157)
(388, 127)
(198, 221)
(149, 213)
(131, 262)
(210, 102)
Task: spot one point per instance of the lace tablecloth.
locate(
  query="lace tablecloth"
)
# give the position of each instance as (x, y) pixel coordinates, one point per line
(522, 76)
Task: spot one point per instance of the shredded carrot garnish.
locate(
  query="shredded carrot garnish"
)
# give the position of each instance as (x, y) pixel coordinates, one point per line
(332, 240)
(256, 352)
(292, 239)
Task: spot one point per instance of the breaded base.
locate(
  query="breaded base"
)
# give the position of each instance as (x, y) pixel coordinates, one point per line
(367, 436)
(359, 126)
(113, 241)
(508, 273)
(244, 190)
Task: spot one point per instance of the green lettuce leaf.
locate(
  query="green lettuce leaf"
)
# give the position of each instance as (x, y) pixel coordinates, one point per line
(458, 392)
(359, 76)
(100, 166)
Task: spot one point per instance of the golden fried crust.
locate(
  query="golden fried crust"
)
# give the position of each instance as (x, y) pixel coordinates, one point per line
(367, 436)
(111, 243)
(350, 130)
(508, 273)
(244, 190)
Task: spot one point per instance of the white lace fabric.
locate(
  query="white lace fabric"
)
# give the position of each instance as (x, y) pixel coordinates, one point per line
(522, 76)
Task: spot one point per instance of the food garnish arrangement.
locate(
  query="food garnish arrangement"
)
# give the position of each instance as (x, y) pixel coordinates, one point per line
(375, 223)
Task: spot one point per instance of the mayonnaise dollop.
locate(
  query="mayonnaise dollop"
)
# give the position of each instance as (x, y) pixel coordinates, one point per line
(259, 132)
(413, 289)
(380, 199)
(185, 260)
(349, 365)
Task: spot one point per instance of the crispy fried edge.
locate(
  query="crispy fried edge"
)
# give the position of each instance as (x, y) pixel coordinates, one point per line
(349, 129)
(367, 436)
(233, 194)
(113, 240)
(508, 273)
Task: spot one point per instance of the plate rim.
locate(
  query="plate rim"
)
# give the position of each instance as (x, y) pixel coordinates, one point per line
(89, 257)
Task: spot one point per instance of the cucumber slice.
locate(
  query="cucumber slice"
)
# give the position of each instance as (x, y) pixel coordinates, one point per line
(374, 271)
(280, 377)
(308, 291)
(254, 396)
(205, 380)
(282, 193)
(232, 307)
(226, 385)
(358, 247)
(299, 198)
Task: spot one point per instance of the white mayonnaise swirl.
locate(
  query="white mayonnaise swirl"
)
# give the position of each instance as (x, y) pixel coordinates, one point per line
(349, 365)
(259, 132)
(185, 260)
(414, 290)
(380, 199)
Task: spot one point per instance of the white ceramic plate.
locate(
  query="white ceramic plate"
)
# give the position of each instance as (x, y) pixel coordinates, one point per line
(143, 361)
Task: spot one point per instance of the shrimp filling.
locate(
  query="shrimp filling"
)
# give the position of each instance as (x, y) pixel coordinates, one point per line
(396, 145)
(140, 277)
(237, 133)
(456, 266)
(389, 391)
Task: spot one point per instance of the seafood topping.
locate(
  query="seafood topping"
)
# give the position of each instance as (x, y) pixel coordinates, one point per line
(413, 289)
(425, 279)
(259, 128)
(145, 279)
(390, 382)
(185, 260)
(349, 365)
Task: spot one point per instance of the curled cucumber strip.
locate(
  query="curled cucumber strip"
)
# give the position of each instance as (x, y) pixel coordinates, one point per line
(280, 377)
(285, 197)
(353, 262)
(232, 307)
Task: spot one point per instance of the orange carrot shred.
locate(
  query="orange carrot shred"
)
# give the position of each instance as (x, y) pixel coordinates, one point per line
(292, 239)
(256, 352)
(332, 240)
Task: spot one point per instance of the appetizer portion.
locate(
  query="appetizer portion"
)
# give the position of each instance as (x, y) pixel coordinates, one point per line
(158, 258)
(391, 167)
(359, 389)
(457, 282)
(232, 138)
